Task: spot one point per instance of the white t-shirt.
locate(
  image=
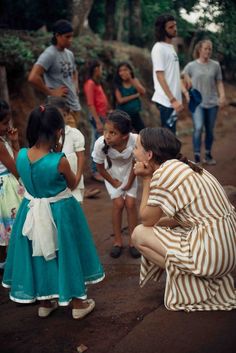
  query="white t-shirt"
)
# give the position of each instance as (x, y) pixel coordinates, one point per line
(74, 142)
(122, 162)
(164, 58)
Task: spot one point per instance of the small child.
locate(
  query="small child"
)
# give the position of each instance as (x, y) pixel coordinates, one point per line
(73, 147)
(113, 154)
(10, 189)
(128, 90)
(51, 253)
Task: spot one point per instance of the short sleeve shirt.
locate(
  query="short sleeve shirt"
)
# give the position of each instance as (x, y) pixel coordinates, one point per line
(204, 79)
(59, 66)
(164, 58)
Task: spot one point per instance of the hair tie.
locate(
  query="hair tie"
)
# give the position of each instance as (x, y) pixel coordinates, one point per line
(42, 108)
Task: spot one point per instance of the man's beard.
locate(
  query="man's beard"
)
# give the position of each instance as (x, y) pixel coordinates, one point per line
(170, 36)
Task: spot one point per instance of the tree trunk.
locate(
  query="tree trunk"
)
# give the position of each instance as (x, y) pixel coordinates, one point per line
(120, 24)
(110, 9)
(80, 12)
(135, 22)
(4, 94)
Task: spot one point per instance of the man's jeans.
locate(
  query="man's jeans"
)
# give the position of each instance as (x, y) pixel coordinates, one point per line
(168, 117)
(203, 117)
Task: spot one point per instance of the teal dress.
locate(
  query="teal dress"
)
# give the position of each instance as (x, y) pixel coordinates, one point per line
(65, 277)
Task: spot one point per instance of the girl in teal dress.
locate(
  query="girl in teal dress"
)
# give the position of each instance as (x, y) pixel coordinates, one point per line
(128, 90)
(51, 255)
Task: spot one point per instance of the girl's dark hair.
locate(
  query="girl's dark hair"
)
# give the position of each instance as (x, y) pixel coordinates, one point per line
(60, 27)
(117, 79)
(160, 23)
(164, 146)
(92, 65)
(43, 123)
(4, 109)
(122, 123)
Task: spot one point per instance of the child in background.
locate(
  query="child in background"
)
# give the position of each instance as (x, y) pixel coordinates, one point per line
(73, 147)
(127, 93)
(51, 253)
(10, 189)
(98, 107)
(113, 154)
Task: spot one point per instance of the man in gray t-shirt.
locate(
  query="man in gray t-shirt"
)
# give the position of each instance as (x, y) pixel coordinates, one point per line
(54, 73)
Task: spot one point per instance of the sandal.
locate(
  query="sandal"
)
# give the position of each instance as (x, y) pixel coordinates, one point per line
(80, 313)
(91, 193)
(46, 311)
(116, 251)
(134, 252)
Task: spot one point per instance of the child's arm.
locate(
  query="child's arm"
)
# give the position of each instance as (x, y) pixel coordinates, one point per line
(7, 160)
(64, 168)
(122, 100)
(12, 135)
(114, 182)
(139, 87)
(80, 166)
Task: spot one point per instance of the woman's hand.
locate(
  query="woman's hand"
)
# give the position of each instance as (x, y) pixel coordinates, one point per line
(221, 102)
(143, 169)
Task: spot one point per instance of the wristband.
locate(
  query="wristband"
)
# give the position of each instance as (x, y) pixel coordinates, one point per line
(172, 100)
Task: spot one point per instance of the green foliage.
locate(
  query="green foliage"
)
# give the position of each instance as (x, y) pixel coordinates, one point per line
(15, 53)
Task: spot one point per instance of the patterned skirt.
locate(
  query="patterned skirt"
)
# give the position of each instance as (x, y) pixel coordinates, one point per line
(11, 193)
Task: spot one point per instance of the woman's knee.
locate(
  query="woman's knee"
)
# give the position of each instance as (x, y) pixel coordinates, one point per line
(138, 234)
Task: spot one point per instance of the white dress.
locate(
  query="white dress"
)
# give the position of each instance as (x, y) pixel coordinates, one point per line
(122, 163)
(74, 142)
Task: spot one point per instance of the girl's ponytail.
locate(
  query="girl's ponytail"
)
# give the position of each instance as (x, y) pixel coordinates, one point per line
(192, 165)
(105, 150)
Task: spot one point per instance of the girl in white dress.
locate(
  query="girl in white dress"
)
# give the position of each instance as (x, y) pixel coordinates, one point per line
(113, 154)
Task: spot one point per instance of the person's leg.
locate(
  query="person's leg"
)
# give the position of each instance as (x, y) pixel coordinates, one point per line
(210, 119)
(117, 210)
(198, 122)
(94, 136)
(168, 117)
(132, 214)
(149, 245)
(132, 217)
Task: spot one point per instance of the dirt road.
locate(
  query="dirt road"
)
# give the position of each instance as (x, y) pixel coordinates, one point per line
(121, 306)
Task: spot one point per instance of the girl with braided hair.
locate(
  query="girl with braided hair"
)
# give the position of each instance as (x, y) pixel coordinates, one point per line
(113, 155)
(188, 226)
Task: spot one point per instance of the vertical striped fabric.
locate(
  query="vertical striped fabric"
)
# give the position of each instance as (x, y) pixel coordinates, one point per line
(201, 252)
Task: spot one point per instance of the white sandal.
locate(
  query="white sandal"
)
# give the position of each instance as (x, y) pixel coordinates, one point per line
(80, 313)
(44, 312)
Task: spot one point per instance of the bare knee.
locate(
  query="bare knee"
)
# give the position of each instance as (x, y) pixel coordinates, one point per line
(137, 235)
(118, 204)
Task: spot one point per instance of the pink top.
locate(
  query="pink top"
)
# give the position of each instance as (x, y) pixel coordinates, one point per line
(96, 96)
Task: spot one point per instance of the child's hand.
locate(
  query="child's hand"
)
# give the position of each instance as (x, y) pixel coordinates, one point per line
(12, 134)
(116, 183)
(127, 186)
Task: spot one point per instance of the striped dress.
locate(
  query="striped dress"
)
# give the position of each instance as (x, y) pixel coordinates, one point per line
(201, 252)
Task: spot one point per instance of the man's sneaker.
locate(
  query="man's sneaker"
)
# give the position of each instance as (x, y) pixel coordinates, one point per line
(197, 159)
(209, 160)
